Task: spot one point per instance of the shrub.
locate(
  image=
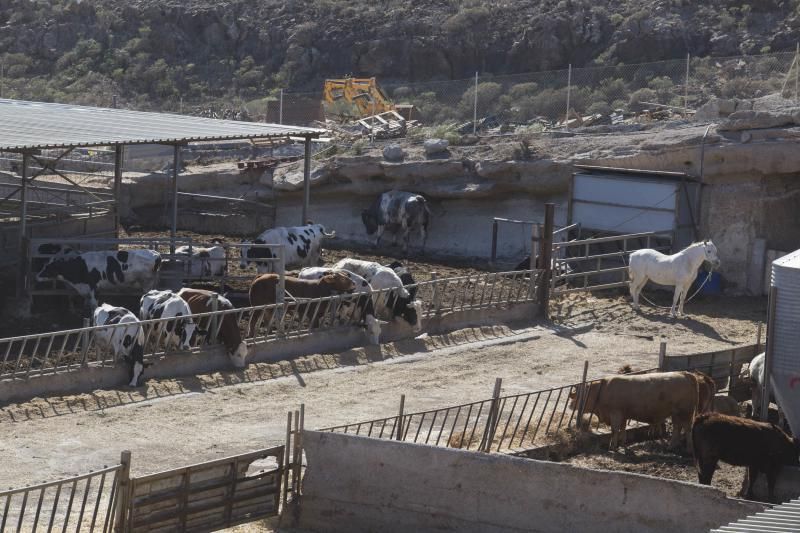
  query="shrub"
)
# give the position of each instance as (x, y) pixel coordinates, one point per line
(642, 95)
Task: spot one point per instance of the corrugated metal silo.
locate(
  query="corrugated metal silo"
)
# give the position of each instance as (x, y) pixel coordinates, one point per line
(785, 336)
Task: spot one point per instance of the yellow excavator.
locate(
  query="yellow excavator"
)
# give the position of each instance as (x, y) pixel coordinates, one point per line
(358, 98)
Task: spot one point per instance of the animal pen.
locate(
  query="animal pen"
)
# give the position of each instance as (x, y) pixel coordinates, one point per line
(48, 149)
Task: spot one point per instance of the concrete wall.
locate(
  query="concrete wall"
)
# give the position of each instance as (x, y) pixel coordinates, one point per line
(213, 358)
(459, 227)
(362, 484)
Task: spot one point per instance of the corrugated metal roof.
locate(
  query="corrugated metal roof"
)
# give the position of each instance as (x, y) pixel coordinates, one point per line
(784, 517)
(31, 125)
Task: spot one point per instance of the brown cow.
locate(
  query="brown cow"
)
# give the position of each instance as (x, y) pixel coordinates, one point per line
(262, 292)
(760, 446)
(706, 391)
(647, 398)
(200, 301)
(726, 405)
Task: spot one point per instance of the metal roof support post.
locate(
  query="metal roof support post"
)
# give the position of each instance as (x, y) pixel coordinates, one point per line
(23, 226)
(176, 161)
(306, 180)
(117, 185)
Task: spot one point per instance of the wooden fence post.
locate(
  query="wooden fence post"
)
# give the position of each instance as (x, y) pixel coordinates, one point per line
(731, 373)
(399, 423)
(662, 356)
(770, 349)
(494, 242)
(582, 395)
(758, 338)
(436, 293)
(535, 236)
(489, 430)
(545, 260)
(287, 462)
(124, 493)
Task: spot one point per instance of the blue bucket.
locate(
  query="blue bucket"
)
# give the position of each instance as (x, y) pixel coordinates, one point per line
(713, 286)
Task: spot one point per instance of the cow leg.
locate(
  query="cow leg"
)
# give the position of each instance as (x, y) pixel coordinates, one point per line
(378, 235)
(772, 477)
(617, 423)
(752, 475)
(705, 470)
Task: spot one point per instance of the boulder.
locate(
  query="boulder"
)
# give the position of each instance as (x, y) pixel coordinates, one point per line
(435, 146)
(424, 170)
(393, 152)
(291, 178)
(754, 120)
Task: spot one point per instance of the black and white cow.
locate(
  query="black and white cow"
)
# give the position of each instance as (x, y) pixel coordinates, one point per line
(201, 261)
(401, 213)
(176, 333)
(89, 272)
(51, 250)
(364, 306)
(125, 341)
(302, 246)
(399, 302)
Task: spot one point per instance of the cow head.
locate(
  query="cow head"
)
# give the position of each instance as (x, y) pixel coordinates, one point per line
(135, 361)
(370, 221)
(321, 230)
(412, 313)
(185, 330)
(239, 355)
(373, 328)
(54, 269)
(338, 282)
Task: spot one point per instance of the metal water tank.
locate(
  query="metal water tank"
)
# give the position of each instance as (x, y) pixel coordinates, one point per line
(785, 376)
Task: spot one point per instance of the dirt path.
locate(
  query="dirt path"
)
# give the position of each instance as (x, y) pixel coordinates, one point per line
(174, 422)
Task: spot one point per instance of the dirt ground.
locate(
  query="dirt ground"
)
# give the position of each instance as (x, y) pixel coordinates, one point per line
(168, 423)
(655, 458)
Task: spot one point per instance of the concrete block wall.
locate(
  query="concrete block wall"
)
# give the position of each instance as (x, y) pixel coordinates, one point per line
(361, 484)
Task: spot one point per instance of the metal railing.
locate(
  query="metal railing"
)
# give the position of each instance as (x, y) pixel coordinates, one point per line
(506, 424)
(81, 503)
(521, 422)
(29, 356)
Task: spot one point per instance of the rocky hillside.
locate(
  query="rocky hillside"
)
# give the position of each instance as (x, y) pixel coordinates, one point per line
(157, 51)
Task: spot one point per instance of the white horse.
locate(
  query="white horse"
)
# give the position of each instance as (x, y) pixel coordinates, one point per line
(678, 269)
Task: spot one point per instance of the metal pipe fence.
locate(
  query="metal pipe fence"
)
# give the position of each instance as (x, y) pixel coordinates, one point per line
(525, 421)
(86, 502)
(71, 350)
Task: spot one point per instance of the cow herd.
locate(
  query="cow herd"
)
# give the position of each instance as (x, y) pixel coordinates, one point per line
(713, 429)
(372, 293)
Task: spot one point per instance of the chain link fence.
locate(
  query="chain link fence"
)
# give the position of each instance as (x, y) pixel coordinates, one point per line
(540, 99)
(531, 100)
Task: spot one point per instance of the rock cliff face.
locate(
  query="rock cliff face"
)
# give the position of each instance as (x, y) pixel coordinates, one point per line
(197, 48)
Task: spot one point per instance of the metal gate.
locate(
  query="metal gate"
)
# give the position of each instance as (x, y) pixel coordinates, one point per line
(208, 496)
(600, 263)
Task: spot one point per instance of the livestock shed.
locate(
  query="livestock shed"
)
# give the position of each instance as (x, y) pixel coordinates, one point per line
(43, 146)
(613, 200)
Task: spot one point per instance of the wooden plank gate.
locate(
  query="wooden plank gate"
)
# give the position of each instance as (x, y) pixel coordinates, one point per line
(207, 496)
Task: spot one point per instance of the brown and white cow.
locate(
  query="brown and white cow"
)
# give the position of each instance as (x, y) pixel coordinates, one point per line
(200, 301)
(760, 446)
(262, 292)
(649, 398)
